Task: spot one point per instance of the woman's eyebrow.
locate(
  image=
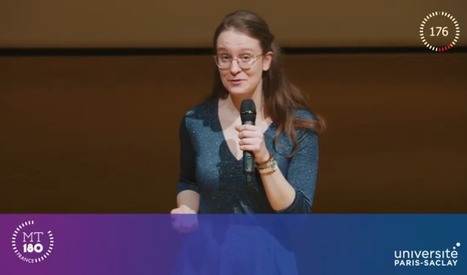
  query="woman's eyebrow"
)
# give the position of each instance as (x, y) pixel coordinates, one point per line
(241, 49)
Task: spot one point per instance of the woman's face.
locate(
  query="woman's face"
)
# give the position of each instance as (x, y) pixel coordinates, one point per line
(240, 48)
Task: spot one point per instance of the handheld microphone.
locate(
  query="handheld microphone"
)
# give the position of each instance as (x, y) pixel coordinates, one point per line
(248, 116)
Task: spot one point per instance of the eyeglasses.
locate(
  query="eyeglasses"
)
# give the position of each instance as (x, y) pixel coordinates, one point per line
(244, 61)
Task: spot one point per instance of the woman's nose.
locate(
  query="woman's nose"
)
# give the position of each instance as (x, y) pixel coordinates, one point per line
(234, 67)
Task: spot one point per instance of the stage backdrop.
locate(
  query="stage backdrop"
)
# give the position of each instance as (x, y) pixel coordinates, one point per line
(178, 23)
(100, 134)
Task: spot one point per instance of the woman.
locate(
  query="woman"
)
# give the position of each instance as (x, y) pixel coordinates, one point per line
(283, 140)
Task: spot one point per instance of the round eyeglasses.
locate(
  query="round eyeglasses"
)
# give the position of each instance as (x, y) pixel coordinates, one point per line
(244, 61)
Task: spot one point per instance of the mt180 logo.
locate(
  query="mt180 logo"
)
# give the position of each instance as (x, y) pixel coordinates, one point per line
(31, 243)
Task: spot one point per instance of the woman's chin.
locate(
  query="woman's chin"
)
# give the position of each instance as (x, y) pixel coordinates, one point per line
(238, 91)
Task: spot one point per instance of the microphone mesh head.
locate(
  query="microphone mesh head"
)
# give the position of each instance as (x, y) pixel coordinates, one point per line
(248, 111)
(248, 105)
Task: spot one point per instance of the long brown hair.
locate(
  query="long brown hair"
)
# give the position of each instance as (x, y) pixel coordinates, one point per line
(281, 98)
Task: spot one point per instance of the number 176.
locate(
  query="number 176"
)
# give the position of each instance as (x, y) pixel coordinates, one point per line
(442, 30)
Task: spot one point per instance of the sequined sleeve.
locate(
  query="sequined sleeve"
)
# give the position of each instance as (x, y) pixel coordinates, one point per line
(187, 177)
(303, 171)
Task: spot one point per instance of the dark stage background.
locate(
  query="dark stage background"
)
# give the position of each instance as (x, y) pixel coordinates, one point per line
(99, 134)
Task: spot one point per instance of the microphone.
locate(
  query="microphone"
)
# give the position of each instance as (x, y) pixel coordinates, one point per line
(248, 116)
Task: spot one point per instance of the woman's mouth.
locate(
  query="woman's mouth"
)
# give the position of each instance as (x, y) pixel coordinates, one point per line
(236, 81)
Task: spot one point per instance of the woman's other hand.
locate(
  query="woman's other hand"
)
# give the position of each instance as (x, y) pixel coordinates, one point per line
(184, 219)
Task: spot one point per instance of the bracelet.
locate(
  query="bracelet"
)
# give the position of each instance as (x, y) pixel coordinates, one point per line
(267, 167)
(265, 163)
(271, 168)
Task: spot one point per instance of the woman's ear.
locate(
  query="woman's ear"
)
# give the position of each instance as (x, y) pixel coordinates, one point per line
(267, 60)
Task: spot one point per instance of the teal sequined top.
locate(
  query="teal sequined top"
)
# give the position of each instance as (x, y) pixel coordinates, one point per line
(208, 167)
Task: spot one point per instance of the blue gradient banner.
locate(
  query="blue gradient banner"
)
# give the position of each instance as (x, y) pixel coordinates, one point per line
(232, 244)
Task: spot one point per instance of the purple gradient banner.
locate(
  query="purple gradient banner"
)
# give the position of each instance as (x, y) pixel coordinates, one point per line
(232, 244)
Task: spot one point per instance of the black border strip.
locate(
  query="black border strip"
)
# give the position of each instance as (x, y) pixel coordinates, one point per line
(208, 51)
